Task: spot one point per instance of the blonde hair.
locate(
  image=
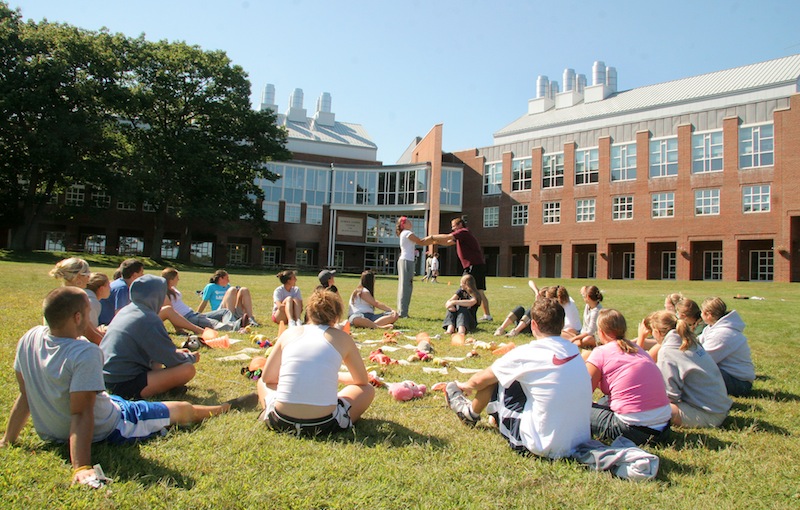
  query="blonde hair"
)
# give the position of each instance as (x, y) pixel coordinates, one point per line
(324, 306)
(67, 269)
(612, 323)
(169, 274)
(715, 307)
(664, 321)
(96, 280)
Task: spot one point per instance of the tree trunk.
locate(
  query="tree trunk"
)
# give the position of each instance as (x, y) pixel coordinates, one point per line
(158, 233)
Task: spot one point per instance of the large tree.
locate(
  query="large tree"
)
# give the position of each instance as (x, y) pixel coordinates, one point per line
(55, 81)
(196, 145)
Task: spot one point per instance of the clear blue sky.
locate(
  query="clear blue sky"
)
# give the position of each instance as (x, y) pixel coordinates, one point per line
(400, 67)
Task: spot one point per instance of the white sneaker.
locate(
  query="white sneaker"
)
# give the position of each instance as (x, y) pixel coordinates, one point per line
(486, 318)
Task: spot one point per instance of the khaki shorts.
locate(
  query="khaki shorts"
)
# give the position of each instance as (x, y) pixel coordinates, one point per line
(694, 417)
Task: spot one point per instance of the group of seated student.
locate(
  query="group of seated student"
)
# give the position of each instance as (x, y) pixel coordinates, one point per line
(520, 318)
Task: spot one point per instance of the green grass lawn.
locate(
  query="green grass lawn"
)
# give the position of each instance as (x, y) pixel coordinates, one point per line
(414, 454)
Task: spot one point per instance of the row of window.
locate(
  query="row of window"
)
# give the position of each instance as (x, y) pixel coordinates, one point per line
(756, 149)
(755, 199)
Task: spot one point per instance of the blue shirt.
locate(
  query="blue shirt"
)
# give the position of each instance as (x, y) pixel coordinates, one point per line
(213, 293)
(119, 297)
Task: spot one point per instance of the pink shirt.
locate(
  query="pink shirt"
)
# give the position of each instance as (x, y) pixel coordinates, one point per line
(632, 382)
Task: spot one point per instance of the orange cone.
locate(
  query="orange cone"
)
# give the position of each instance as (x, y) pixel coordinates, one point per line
(281, 328)
(457, 339)
(504, 349)
(219, 343)
(346, 327)
(209, 333)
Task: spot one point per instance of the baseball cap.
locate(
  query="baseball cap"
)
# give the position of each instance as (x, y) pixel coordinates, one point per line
(325, 275)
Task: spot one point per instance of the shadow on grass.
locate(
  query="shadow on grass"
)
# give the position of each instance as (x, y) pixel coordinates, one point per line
(372, 433)
(125, 464)
(746, 423)
(690, 439)
(776, 395)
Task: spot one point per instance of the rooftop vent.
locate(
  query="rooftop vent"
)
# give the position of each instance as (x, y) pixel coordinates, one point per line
(296, 111)
(324, 116)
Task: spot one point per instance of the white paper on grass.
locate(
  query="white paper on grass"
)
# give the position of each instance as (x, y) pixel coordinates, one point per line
(468, 370)
(431, 370)
(235, 357)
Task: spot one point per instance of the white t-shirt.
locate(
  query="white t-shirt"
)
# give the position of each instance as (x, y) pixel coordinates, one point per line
(281, 293)
(406, 246)
(178, 305)
(558, 397)
(358, 305)
(435, 264)
(572, 318)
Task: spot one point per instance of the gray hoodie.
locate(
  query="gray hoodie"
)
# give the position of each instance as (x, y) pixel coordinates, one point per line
(728, 347)
(137, 336)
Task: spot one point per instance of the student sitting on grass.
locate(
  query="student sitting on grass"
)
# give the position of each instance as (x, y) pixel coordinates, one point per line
(694, 384)
(462, 308)
(635, 404)
(220, 293)
(61, 387)
(220, 319)
(287, 301)
(98, 288)
(299, 385)
(539, 394)
(136, 345)
(361, 313)
(724, 340)
(75, 272)
(592, 297)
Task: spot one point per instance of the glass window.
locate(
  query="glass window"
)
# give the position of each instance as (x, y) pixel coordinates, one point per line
(382, 260)
(304, 256)
(75, 194)
(521, 174)
(623, 162)
(451, 188)
(131, 245)
(147, 207)
(706, 202)
(756, 146)
(628, 265)
(669, 264)
(95, 243)
(584, 210)
(55, 241)
(622, 208)
(101, 199)
(238, 254)
(519, 215)
(712, 265)
(551, 212)
(707, 152)
(761, 265)
(313, 215)
(271, 211)
(553, 170)
(169, 248)
(126, 206)
(492, 178)
(491, 217)
(756, 198)
(663, 205)
(202, 253)
(587, 166)
(270, 255)
(292, 213)
(664, 157)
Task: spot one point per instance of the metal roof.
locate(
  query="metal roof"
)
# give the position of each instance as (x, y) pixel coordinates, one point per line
(343, 133)
(753, 77)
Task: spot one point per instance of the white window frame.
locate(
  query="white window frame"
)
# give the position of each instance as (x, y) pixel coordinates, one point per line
(756, 145)
(553, 170)
(55, 240)
(101, 199)
(291, 213)
(622, 208)
(756, 198)
(664, 157)
(669, 265)
(762, 265)
(272, 211)
(238, 254)
(623, 162)
(126, 206)
(491, 217)
(628, 265)
(551, 213)
(663, 205)
(712, 265)
(493, 178)
(585, 210)
(519, 215)
(707, 152)
(706, 202)
(521, 174)
(75, 195)
(270, 255)
(587, 166)
(313, 214)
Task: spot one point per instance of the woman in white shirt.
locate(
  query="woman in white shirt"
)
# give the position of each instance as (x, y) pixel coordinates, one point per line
(363, 304)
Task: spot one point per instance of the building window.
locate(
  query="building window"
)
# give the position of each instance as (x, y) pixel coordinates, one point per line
(712, 265)
(664, 157)
(623, 162)
(591, 265)
(55, 241)
(169, 248)
(202, 253)
(131, 245)
(551, 212)
(669, 264)
(584, 210)
(314, 215)
(706, 202)
(270, 255)
(707, 152)
(663, 205)
(101, 199)
(761, 265)
(587, 166)
(519, 215)
(338, 259)
(492, 178)
(292, 213)
(304, 257)
(756, 146)
(628, 265)
(382, 260)
(147, 207)
(95, 243)
(238, 254)
(553, 170)
(521, 174)
(755, 198)
(491, 217)
(622, 208)
(271, 211)
(126, 206)
(75, 194)
(451, 188)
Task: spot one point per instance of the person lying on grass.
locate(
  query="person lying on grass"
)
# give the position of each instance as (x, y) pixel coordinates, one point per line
(298, 387)
(539, 394)
(61, 387)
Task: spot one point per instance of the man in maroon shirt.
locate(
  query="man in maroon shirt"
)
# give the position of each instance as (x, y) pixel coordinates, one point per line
(469, 253)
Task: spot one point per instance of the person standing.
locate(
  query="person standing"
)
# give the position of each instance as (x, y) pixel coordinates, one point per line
(469, 253)
(405, 264)
(434, 268)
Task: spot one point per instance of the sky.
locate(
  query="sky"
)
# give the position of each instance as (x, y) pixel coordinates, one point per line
(400, 67)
